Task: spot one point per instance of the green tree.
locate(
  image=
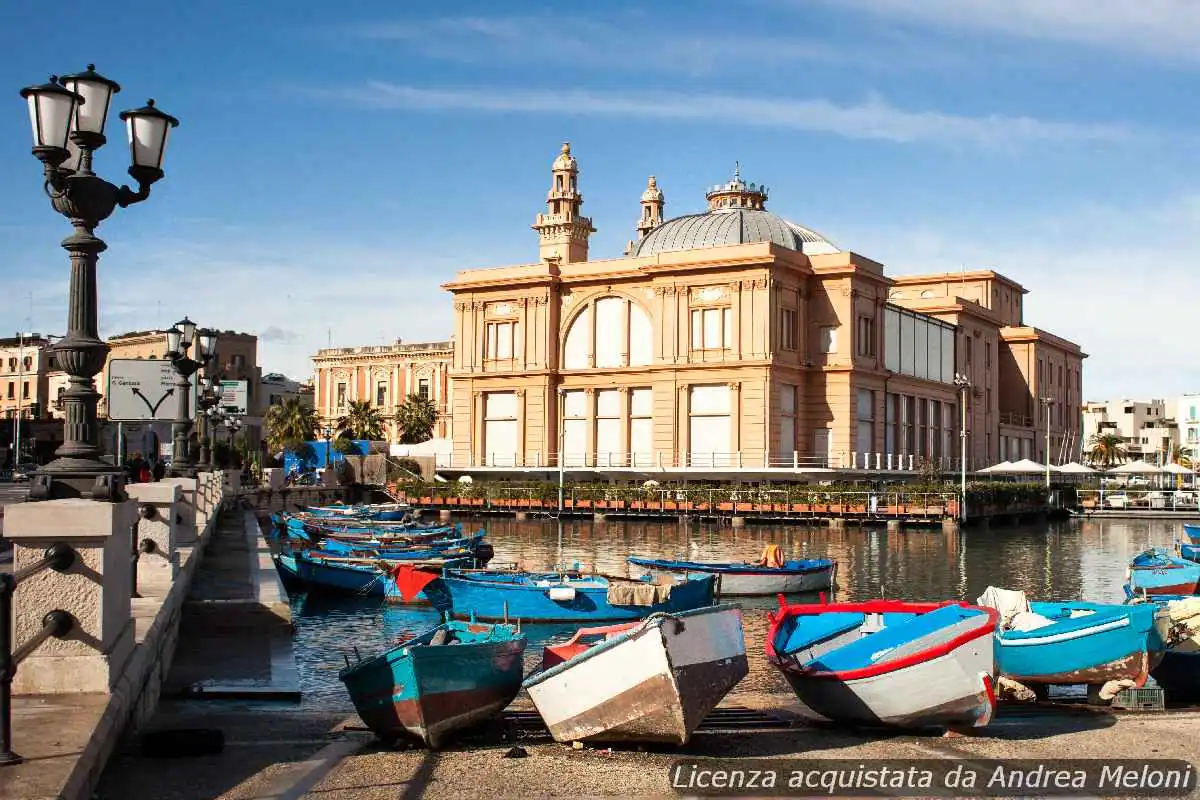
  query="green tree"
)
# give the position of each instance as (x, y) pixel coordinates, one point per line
(416, 418)
(362, 421)
(290, 426)
(1106, 449)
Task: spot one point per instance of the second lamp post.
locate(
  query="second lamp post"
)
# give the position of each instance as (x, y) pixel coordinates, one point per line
(179, 341)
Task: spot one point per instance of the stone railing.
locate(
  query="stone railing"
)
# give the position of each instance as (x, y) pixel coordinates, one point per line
(124, 590)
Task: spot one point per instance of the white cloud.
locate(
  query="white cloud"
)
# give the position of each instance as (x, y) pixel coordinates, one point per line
(1167, 29)
(873, 118)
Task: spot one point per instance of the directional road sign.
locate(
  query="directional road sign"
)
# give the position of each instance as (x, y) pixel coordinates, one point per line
(140, 390)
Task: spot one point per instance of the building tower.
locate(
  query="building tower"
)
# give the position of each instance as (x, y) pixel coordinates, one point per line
(737, 194)
(563, 231)
(652, 208)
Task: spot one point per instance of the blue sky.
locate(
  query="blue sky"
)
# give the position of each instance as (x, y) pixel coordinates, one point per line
(336, 162)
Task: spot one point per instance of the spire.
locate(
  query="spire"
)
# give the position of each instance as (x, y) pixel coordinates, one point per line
(652, 208)
(563, 230)
(737, 193)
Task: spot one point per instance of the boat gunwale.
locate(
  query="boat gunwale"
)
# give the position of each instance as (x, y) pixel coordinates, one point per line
(935, 651)
(403, 651)
(732, 567)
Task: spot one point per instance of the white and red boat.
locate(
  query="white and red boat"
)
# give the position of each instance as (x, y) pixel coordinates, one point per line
(911, 665)
(649, 681)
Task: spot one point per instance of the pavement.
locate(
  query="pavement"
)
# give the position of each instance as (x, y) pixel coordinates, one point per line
(272, 751)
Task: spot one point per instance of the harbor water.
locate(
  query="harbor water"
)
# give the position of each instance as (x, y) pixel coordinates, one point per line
(1074, 559)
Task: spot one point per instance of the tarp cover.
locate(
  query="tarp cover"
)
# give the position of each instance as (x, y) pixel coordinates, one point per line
(638, 593)
(1015, 611)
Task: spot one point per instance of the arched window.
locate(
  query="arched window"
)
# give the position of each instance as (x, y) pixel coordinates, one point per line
(610, 332)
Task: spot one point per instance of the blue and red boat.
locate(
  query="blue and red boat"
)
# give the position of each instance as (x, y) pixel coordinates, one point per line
(1158, 572)
(397, 581)
(448, 678)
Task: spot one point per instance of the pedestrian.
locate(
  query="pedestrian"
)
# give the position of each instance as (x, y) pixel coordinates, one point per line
(160, 470)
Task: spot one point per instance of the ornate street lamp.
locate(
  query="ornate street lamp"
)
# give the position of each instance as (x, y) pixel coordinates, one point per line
(207, 400)
(179, 340)
(327, 431)
(68, 116)
(964, 384)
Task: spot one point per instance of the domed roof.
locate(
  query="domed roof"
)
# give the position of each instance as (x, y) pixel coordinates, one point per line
(731, 226)
(565, 160)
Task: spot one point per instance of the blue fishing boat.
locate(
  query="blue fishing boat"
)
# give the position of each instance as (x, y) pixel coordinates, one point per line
(1190, 551)
(313, 571)
(771, 575)
(1074, 643)
(1192, 531)
(568, 597)
(388, 549)
(448, 678)
(1157, 571)
(382, 512)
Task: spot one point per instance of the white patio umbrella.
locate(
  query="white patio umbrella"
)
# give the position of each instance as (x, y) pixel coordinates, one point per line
(1136, 468)
(1024, 467)
(1073, 468)
(995, 467)
(1178, 469)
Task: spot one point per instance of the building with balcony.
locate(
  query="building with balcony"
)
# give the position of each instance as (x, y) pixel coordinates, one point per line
(1185, 413)
(31, 386)
(736, 338)
(1146, 427)
(384, 376)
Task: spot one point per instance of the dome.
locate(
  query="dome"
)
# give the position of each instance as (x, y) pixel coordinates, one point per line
(731, 226)
(565, 160)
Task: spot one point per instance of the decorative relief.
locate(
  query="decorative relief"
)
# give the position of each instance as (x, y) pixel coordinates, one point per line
(459, 305)
(650, 291)
(478, 305)
(502, 309)
(519, 392)
(567, 299)
(710, 294)
(734, 386)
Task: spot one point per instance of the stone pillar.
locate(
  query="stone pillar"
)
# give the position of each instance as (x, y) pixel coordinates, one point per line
(188, 512)
(233, 480)
(162, 502)
(95, 591)
(274, 478)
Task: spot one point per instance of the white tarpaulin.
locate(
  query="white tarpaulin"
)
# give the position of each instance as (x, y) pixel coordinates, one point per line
(1015, 611)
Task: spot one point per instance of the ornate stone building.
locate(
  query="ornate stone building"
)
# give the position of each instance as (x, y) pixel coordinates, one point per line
(384, 375)
(734, 337)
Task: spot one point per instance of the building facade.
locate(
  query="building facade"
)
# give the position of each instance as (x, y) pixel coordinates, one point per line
(384, 376)
(275, 389)
(731, 337)
(1149, 429)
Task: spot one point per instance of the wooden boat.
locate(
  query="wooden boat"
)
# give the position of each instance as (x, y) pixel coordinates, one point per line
(1191, 552)
(389, 549)
(323, 573)
(888, 662)
(446, 679)
(1074, 642)
(1192, 531)
(771, 575)
(1157, 571)
(568, 597)
(649, 681)
(383, 512)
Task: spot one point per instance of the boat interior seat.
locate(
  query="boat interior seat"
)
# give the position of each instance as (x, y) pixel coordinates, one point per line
(444, 636)
(814, 629)
(872, 649)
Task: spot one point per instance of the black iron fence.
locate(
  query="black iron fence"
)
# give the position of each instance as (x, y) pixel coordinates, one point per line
(59, 557)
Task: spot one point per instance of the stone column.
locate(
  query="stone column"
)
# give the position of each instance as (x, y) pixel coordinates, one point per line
(95, 591)
(159, 503)
(188, 499)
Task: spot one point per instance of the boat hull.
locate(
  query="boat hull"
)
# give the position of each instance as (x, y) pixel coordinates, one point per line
(428, 693)
(1121, 643)
(1159, 572)
(748, 582)
(342, 579)
(1192, 532)
(654, 684)
(488, 600)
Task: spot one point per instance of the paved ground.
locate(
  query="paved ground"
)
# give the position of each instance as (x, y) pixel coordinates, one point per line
(283, 754)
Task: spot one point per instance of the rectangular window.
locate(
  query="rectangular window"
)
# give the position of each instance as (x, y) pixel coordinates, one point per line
(866, 336)
(575, 428)
(710, 427)
(987, 355)
(341, 395)
(423, 388)
(712, 328)
(891, 339)
(25, 390)
(787, 421)
(866, 421)
(501, 443)
(381, 394)
(828, 339)
(641, 427)
(787, 329)
(500, 340)
(12, 390)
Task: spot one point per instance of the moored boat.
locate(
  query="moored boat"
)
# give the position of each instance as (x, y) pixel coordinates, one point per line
(649, 681)
(1178, 673)
(1074, 642)
(769, 576)
(446, 679)
(1157, 571)
(911, 665)
(1192, 531)
(323, 573)
(569, 597)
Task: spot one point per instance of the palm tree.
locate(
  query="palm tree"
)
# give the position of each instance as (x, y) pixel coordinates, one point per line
(362, 421)
(416, 418)
(1178, 456)
(290, 425)
(1106, 449)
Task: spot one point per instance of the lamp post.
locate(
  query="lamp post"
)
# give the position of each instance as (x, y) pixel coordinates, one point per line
(207, 400)
(233, 424)
(327, 432)
(1047, 402)
(562, 396)
(68, 117)
(179, 340)
(963, 384)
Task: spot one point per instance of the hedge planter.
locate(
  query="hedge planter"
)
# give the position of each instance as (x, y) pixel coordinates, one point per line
(725, 506)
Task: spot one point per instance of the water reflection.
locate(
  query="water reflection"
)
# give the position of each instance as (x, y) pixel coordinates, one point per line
(1077, 559)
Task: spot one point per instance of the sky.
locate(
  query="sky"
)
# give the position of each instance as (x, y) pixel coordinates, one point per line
(336, 162)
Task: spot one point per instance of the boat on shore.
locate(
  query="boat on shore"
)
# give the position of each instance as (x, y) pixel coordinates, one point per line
(910, 665)
(771, 575)
(654, 680)
(1157, 571)
(442, 681)
(568, 597)
(1071, 643)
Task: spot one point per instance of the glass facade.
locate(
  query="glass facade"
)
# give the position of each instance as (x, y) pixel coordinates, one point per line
(917, 345)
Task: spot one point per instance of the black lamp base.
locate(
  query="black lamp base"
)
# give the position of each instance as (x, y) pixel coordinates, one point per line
(78, 478)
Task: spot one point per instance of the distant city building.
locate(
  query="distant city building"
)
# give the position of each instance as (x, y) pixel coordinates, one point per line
(734, 337)
(275, 389)
(1185, 414)
(31, 386)
(1147, 428)
(384, 376)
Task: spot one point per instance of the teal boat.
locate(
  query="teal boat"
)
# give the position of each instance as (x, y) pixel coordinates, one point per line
(444, 680)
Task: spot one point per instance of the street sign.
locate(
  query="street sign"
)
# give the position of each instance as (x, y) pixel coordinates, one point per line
(141, 390)
(235, 397)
